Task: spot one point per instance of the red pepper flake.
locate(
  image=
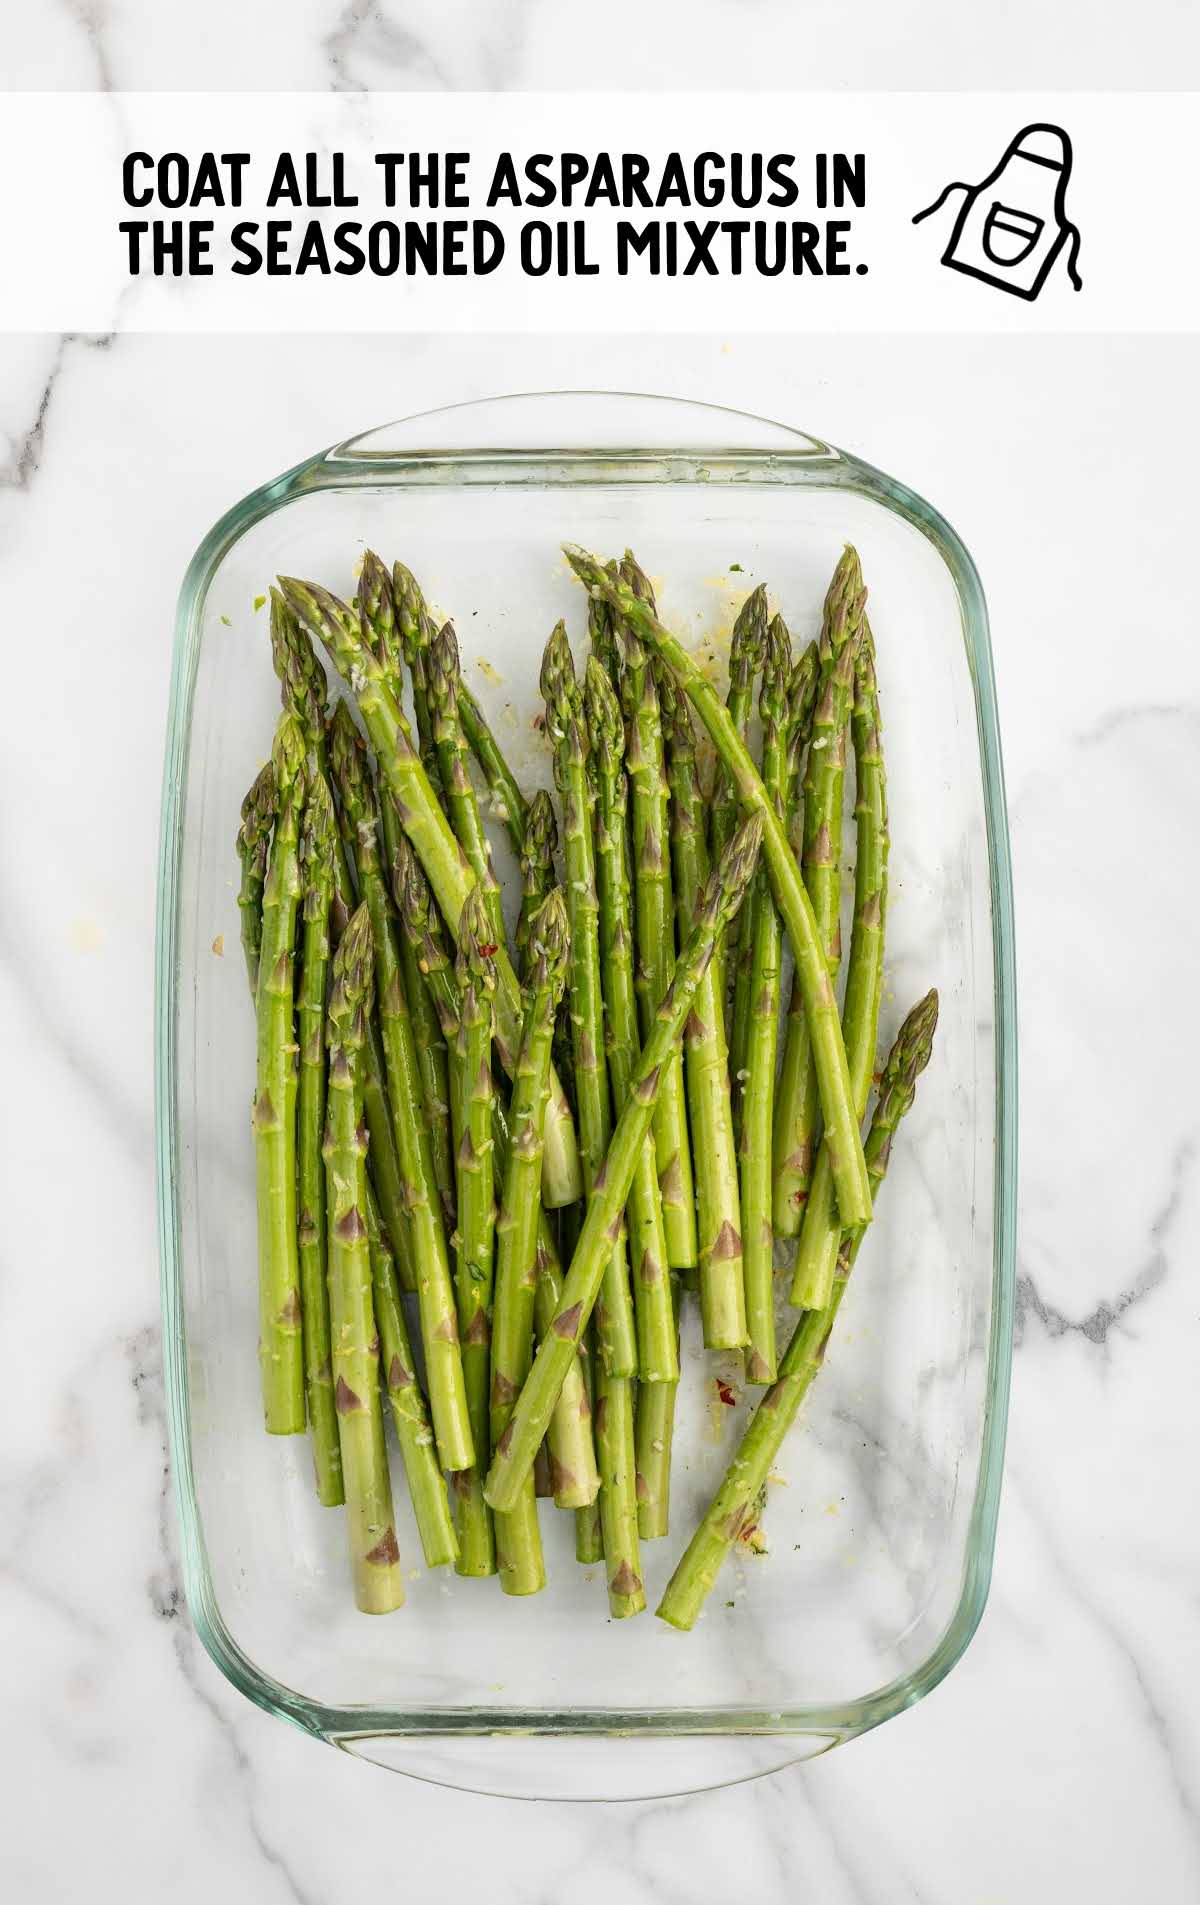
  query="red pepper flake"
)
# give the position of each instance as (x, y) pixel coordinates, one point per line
(726, 1393)
(489, 951)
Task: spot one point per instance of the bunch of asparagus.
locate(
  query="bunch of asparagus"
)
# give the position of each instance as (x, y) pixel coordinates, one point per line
(534, 1152)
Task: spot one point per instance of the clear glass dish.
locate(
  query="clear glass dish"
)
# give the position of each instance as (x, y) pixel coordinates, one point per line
(882, 1524)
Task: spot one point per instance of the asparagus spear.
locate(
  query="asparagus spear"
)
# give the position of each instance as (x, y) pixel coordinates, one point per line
(747, 647)
(654, 911)
(574, 1478)
(415, 627)
(802, 703)
(508, 802)
(615, 1333)
(816, 1258)
(280, 1345)
(617, 1459)
(766, 942)
(331, 622)
(444, 675)
(733, 1505)
(542, 1487)
(722, 1292)
(654, 1434)
(306, 692)
(318, 834)
(602, 632)
(418, 1452)
(747, 650)
(538, 850)
(475, 1237)
(571, 1452)
(849, 1169)
(538, 844)
(253, 849)
(514, 1452)
(589, 1529)
(569, 1436)
(435, 1291)
(377, 618)
(657, 1353)
(429, 1040)
(424, 936)
(799, 1108)
(518, 1544)
(375, 1557)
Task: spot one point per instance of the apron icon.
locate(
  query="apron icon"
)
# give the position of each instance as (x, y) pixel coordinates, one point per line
(1012, 226)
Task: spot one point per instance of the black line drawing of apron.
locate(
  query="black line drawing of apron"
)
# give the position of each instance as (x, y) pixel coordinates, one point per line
(1012, 226)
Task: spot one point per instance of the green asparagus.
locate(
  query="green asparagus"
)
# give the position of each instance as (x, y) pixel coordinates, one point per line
(657, 1353)
(280, 1346)
(602, 632)
(514, 1452)
(444, 675)
(718, 1201)
(418, 1451)
(306, 693)
(569, 1436)
(414, 625)
(375, 1556)
(747, 652)
(253, 849)
(377, 618)
(317, 838)
(617, 1460)
(508, 802)
(734, 1505)
(816, 1257)
(654, 1435)
(475, 1236)
(615, 1332)
(791, 897)
(589, 1529)
(747, 648)
(518, 1544)
(654, 917)
(766, 941)
(435, 1290)
(388, 1156)
(569, 1442)
(331, 623)
(538, 846)
(799, 1109)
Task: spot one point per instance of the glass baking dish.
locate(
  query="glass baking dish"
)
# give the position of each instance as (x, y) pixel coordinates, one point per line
(882, 1520)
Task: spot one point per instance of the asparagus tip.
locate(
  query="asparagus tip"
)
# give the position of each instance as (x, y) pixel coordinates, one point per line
(287, 753)
(558, 666)
(601, 706)
(353, 981)
(549, 944)
(476, 947)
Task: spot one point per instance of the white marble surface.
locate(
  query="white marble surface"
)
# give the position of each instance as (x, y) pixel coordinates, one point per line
(1062, 1758)
(1061, 1761)
(550, 45)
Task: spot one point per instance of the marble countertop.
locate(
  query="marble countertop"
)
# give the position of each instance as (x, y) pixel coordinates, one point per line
(1061, 1760)
(1063, 1754)
(541, 45)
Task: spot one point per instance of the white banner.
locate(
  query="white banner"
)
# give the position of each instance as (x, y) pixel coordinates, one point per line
(587, 212)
